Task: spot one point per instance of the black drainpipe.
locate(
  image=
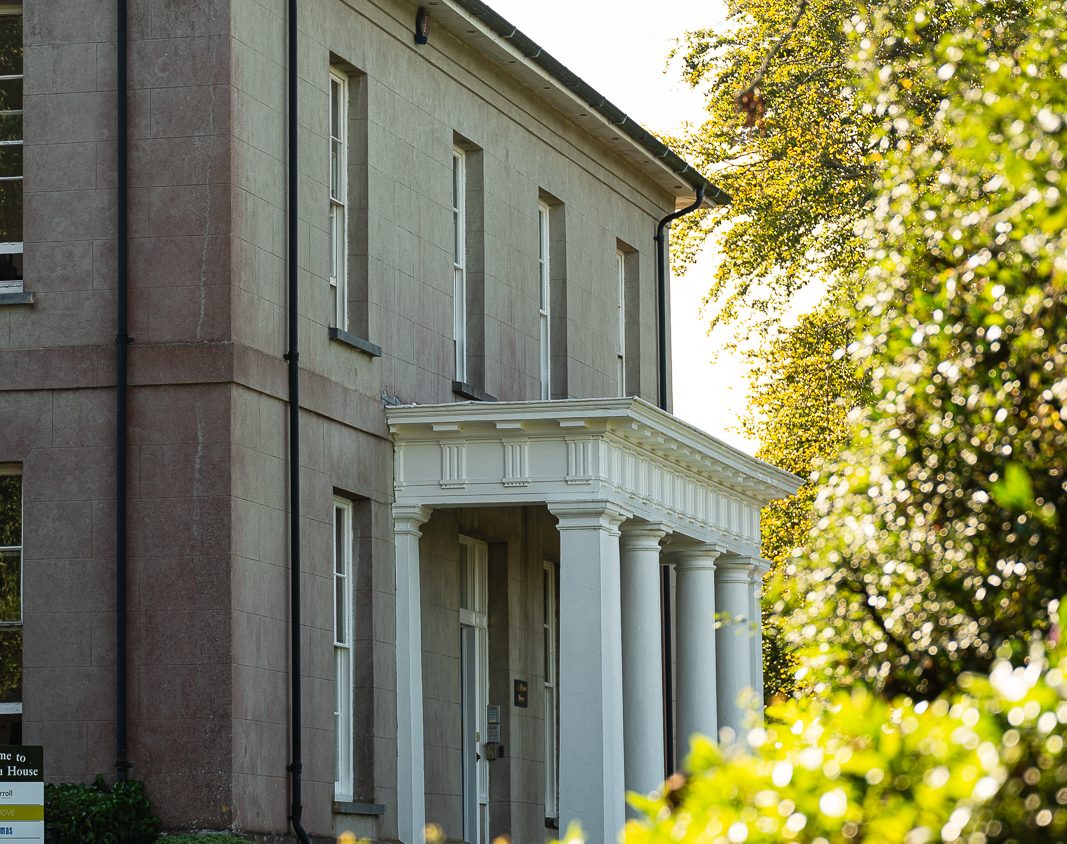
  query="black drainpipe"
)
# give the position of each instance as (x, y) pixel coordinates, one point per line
(663, 269)
(296, 766)
(122, 341)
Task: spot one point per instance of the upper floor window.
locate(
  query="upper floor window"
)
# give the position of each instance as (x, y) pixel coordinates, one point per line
(544, 273)
(620, 321)
(10, 149)
(342, 646)
(459, 259)
(338, 225)
(10, 605)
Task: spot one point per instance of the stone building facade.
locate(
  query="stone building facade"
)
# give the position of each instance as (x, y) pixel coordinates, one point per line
(484, 518)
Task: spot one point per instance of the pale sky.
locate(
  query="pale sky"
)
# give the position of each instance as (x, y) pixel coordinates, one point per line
(620, 48)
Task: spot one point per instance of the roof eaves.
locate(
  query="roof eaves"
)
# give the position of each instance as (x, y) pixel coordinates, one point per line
(537, 55)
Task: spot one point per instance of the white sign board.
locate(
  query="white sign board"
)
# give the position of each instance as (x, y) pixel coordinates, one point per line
(21, 794)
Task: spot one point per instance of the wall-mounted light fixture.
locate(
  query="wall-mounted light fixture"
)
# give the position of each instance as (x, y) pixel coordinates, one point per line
(422, 25)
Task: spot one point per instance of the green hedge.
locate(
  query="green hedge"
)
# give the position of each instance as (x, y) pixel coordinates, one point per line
(197, 838)
(102, 814)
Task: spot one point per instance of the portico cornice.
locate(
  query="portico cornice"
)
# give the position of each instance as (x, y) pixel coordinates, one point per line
(619, 450)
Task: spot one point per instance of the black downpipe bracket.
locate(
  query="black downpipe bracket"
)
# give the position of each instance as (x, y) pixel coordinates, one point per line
(122, 342)
(663, 270)
(296, 765)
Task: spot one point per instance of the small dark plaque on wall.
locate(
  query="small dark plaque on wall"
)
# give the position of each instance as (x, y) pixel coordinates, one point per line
(522, 694)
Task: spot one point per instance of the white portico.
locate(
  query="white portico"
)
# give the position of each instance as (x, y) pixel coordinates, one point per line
(632, 488)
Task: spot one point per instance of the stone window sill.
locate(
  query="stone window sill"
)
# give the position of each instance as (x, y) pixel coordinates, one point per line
(16, 298)
(352, 341)
(469, 391)
(349, 808)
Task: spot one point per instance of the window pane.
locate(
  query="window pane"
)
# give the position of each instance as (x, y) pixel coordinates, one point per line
(10, 159)
(456, 180)
(10, 510)
(11, 212)
(10, 267)
(340, 631)
(335, 108)
(336, 154)
(10, 95)
(339, 540)
(457, 245)
(11, 126)
(10, 586)
(10, 45)
(10, 729)
(10, 665)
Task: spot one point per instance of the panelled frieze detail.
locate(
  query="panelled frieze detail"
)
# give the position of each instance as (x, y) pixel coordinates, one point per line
(516, 463)
(579, 460)
(453, 465)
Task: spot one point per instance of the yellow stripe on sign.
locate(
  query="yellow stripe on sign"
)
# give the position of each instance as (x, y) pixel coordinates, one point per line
(21, 813)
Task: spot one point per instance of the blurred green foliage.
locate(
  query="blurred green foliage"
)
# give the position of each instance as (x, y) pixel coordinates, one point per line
(939, 538)
(937, 554)
(983, 764)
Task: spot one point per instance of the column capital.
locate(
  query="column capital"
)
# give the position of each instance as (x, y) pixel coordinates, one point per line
(702, 556)
(737, 568)
(582, 515)
(408, 518)
(643, 535)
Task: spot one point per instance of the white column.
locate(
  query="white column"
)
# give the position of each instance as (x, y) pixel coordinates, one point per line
(733, 640)
(591, 760)
(411, 764)
(759, 569)
(695, 599)
(642, 655)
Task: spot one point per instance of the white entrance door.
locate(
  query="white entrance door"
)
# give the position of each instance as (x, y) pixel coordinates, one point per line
(474, 650)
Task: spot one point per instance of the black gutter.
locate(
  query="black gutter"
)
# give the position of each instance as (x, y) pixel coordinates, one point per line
(596, 101)
(122, 342)
(663, 271)
(296, 766)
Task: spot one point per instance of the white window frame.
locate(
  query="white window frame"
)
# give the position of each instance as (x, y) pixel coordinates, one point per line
(551, 692)
(338, 187)
(544, 275)
(620, 332)
(12, 247)
(342, 647)
(459, 259)
(9, 470)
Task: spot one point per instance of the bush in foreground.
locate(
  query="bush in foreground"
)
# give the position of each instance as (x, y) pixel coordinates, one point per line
(101, 813)
(985, 764)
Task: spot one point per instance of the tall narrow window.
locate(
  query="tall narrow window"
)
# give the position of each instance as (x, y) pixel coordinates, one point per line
(551, 651)
(620, 331)
(10, 605)
(459, 259)
(338, 200)
(342, 646)
(10, 149)
(544, 272)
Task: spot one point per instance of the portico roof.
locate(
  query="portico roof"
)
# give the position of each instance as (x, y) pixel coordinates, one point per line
(620, 450)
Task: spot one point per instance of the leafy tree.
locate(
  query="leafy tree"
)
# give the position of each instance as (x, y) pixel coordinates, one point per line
(803, 388)
(940, 533)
